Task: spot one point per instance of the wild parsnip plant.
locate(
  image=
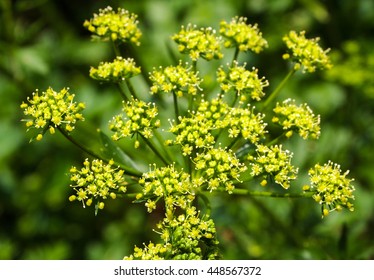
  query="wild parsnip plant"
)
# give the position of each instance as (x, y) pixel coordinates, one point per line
(210, 142)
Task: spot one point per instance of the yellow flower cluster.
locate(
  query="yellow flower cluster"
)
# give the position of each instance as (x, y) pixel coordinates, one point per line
(116, 71)
(197, 43)
(299, 118)
(244, 122)
(97, 181)
(306, 53)
(332, 188)
(168, 183)
(116, 26)
(243, 36)
(245, 83)
(219, 167)
(179, 79)
(186, 237)
(52, 109)
(275, 162)
(140, 118)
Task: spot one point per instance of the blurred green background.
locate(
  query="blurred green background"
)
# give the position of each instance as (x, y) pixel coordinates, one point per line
(43, 43)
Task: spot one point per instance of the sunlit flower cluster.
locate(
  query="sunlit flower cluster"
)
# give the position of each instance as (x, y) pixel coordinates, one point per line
(239, 34)
(305, 52)
(52, 109)
(186, 237)
(297, 118)
(246, 83)
(333, 190)
(97, 181)
(198, 43)
(140, 117)
(219, 168)
(168, 183)
(244, 122)
(178, 79)
(275, 162)
(117, 25)
(116, 71)
(192, 132)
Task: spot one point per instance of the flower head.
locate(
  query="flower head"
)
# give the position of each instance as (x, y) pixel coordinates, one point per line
(97, 181)
(168, 183)
(273, 161)
(178, 79)
(246, 83)
(241, 35)
(298, 118)
(116, 26)
(333, 190)
(197, 43)
(187, 236)
(52, 109)
(244, 122)
(140, 118)
(306, 52)
(219, 168)
(116, 71)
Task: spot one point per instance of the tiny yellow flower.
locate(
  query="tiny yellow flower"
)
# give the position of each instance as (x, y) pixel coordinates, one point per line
(306, 52)
(118, 25)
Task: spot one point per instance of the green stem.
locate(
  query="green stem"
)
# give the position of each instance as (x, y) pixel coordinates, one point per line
(128, 170)
(117, 52)
(161, 142)
(206, 201)
(194, 65)
(131, 89)
(122, 92)
(153, 148)
(272, 194)
(176, 110)
(278, 88)
(235, 58)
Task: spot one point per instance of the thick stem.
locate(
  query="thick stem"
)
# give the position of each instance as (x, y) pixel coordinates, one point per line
(153, 148)
(278, 88)
(161, 142)
(272, 194)
(176, 110)
(235, 58)
(206, 201)
(131, 89)
(122, 92)
(128, 170)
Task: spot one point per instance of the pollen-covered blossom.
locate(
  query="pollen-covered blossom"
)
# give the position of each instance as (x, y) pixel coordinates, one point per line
(244, 122)
(333, 190)
(239, 34)
(197, 43)
(195, 131)
(273, 161)
(169, 183)
(192, 132)
(219, 168)
(187, 236)
(116, 71)
(140, 118)
(305, 52)
(246, 83)
(179, 79)
(116, 26)
(297, 118)
(97, 181)
(52, 109)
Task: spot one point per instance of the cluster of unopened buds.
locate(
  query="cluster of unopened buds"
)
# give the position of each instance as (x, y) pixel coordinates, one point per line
(204, 142)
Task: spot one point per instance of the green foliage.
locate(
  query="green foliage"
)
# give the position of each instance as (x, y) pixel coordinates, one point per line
(35, 218)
